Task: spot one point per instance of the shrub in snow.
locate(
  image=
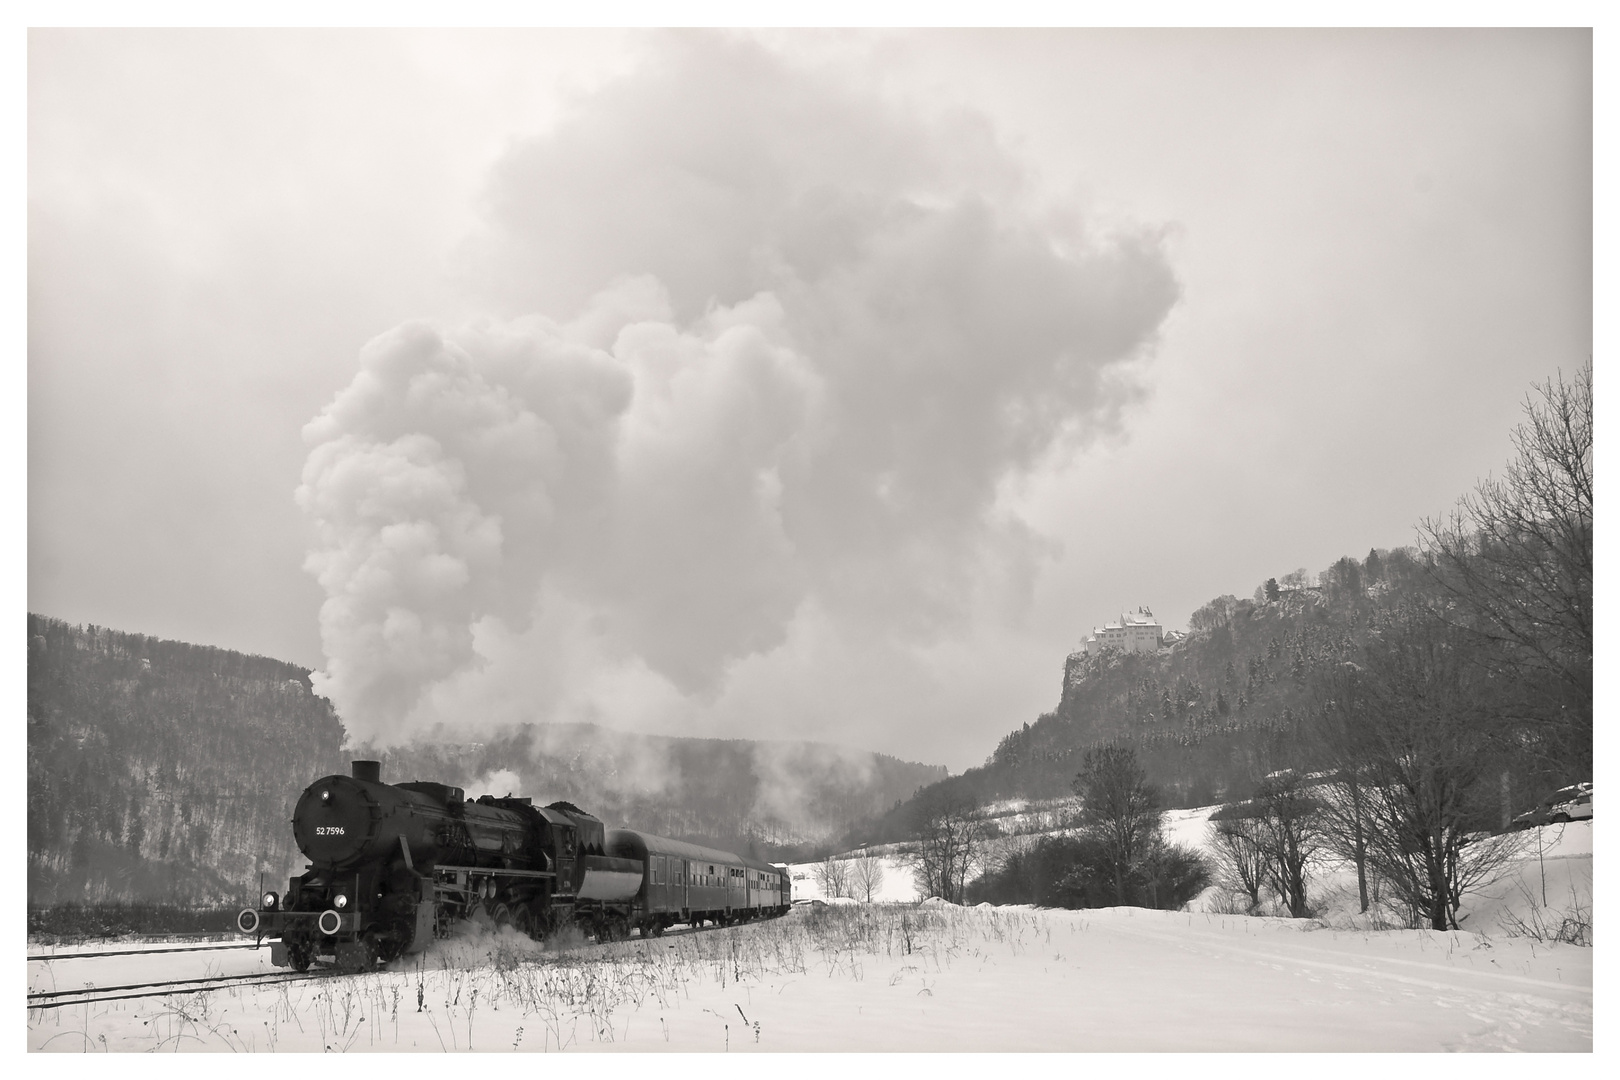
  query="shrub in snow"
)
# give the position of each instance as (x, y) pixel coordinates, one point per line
(1079, 872)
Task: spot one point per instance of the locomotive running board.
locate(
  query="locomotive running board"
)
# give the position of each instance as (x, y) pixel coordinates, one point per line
(494, 871)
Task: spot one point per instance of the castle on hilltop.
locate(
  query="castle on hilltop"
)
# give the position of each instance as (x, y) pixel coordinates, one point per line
(1139, 632)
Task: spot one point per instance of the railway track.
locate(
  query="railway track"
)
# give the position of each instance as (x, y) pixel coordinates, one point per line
(90, 995)
(55, 999)
(137, 952)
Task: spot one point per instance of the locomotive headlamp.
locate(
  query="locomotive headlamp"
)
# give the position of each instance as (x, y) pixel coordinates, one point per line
(326, 796)
(340, 902)
(269, 901)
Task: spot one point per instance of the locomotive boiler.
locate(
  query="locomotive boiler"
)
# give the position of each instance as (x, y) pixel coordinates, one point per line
(393, 866)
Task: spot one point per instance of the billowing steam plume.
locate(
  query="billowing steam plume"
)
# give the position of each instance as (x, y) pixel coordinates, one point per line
(795, 337)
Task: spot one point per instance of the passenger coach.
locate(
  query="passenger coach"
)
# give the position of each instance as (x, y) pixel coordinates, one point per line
(688, 883)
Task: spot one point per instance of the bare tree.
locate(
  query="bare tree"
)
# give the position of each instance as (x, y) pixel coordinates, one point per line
(1516, 558)
(866, 876)
(1427, 748)
(952, 838)
(833, 877)
(1215, 614)
(1290, 834)
(1340, 732)
(1119, 809)
(1270, 839)
(1240, 856)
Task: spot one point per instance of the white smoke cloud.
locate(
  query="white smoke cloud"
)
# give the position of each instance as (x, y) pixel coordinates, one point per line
(790, 775)
(500, 783)
(795, 337)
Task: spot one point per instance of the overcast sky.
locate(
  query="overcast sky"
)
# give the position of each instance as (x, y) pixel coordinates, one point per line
(795, 385)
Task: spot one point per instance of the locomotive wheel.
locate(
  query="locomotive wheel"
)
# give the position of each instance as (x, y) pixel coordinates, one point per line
(502, 916)
(658, 928)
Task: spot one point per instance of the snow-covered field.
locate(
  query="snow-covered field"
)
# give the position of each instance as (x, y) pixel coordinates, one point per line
(914, 976)
(928, 977)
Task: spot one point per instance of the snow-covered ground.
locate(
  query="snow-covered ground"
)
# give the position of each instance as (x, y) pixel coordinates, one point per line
(928, 977)
(902, 975)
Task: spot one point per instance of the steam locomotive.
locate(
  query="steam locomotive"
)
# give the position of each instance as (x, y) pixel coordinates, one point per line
(394, 866)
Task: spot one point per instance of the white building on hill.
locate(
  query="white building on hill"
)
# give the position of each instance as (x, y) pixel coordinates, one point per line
(1139, 632)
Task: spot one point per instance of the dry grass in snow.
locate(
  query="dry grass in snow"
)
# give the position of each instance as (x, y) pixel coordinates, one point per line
(902, 977)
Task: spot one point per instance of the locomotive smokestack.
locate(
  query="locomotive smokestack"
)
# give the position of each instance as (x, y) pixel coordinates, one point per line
(367, 770)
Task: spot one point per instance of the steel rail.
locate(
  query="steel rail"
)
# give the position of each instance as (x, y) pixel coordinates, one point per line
(94, 995)
(138, 952)
(33, 994)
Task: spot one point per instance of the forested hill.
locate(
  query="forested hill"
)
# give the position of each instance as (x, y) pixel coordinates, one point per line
(163, 771)
(1486, 637)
